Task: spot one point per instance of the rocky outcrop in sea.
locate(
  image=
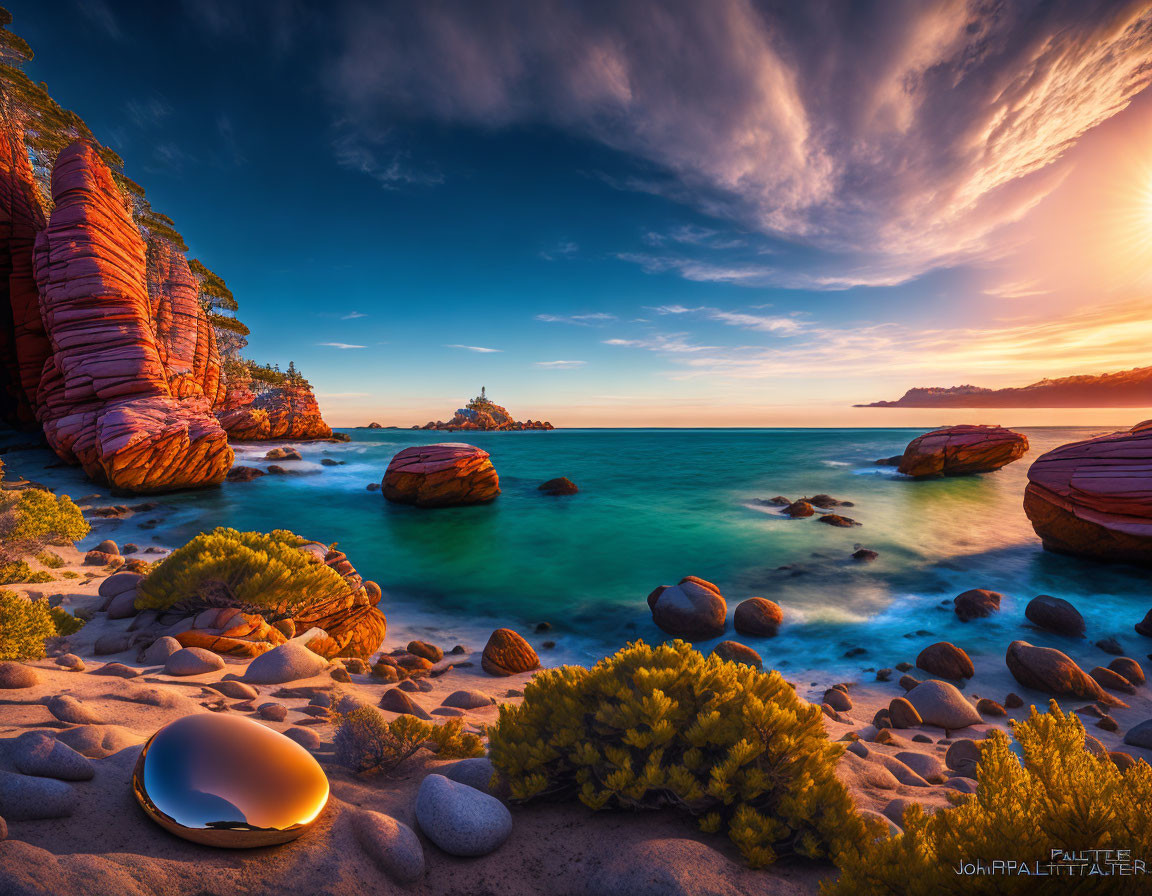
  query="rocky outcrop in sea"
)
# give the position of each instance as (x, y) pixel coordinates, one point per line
(962, 450)
(1094, 499)
(484, 414)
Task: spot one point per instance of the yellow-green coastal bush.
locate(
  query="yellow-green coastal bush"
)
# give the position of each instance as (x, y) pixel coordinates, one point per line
(264, 572)
(654, 727)
(1059, 796)
(366, 742)
(24, 626)
(31, 519)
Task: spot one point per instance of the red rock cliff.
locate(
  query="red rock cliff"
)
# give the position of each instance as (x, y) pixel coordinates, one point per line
(24, 346)
(258, 411)
(107, 398)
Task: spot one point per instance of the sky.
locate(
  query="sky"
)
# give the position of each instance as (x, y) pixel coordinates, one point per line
(649, 213)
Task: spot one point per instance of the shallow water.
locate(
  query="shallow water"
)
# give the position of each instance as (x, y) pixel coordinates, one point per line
(655, 505)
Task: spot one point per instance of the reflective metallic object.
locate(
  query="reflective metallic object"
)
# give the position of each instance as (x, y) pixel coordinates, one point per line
(225, 780)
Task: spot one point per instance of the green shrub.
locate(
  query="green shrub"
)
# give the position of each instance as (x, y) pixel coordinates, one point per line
(365, 742)
(24, 625)
(1060, 796)
(65, 622)
(50, 559)
(17, 572)
(32, 518)
(261, 572)
(664, 726)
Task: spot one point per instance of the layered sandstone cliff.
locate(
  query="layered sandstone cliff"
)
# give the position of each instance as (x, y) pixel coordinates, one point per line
(128, 388)
(109, 339)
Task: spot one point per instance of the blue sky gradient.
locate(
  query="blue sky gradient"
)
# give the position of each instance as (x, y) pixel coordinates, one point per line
(382, 210)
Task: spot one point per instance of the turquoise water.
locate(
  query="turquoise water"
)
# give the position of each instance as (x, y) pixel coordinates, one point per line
(655, 505)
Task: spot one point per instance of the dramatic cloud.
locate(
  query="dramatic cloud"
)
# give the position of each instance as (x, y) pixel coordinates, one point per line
(477, 348)
(902, 134)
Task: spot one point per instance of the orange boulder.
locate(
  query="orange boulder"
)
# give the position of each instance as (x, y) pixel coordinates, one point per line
(443, 475)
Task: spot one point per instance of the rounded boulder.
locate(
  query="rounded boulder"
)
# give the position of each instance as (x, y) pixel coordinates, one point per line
(445, 475)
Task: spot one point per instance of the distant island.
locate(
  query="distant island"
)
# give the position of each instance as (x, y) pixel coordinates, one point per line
(1125, 389)
(482, 413)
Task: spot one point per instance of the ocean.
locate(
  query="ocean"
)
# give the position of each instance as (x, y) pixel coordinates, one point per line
(656, 505)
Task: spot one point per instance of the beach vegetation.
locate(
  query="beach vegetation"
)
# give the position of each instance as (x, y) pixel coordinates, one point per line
(260, 572)
(666, 727)
(367, 743)
(1047, 792)
(50, 559)
(65, 622)
(24, 626)
(19, 572)
(30, 520)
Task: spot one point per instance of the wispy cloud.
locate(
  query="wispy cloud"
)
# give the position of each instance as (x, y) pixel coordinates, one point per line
(336, 396)
(691, 235)
(1017, 289)
(758, 275)
(476, 348)
(911, 132)
(99, 14)
(671, 343)
(563, 249)
(1097, 340)
(581, 320)
(560, 365)
(375, 153)
(147, 113)
(353, 315)
(341, 345)
(783, 325)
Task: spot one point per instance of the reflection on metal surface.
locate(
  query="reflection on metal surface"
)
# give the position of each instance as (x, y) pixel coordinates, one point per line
(228, 781)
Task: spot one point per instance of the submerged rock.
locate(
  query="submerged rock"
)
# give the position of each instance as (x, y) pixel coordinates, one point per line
(976, 603)
(1054, 614)
(444, 475)
(962, 450)
(560, 486)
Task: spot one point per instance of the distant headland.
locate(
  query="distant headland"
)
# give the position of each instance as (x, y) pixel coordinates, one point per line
(481, 413)
(1125, 389)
